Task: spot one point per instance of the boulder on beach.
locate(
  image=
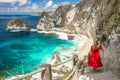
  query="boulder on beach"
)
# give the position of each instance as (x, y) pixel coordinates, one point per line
(63, 69)
(55, 59)
(17, 24)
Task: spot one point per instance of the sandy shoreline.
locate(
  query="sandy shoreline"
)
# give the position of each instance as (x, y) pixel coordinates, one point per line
(86, 47)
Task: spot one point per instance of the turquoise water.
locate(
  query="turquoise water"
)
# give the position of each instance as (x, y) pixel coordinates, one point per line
(27, 50)
(23, 52)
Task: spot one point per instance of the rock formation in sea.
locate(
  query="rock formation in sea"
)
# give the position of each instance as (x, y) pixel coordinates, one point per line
(94, 18)
(17, 24)
(45, 23)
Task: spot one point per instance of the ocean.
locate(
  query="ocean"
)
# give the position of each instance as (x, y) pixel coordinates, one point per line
(23, 52)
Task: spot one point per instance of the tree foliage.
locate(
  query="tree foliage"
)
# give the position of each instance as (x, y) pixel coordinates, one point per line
(16, 22)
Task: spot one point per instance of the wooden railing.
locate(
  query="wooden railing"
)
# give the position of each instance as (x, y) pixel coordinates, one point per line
(45, 69)
(61, 63)
(29, 74)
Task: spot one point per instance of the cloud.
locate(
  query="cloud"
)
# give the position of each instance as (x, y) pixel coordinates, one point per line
(35, 7)
(29, 2)
(65, 3)
(54, 6)
(15, 8)
(21, 2)
(49, 4)
(8, 1)
(30, 7)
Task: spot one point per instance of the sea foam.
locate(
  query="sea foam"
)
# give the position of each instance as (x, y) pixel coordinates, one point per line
(33, 30)
(61, 35)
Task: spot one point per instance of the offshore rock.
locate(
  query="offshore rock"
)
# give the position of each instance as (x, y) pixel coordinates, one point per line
(17, 24)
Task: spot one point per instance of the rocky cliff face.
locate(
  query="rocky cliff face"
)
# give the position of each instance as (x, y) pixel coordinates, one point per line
(95, 18)
(45, 23)
(17, 24)
(84, 17)
(111, 42)
(60, 14)
(111, 52)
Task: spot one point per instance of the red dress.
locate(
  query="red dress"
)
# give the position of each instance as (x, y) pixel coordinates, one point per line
(94, 59)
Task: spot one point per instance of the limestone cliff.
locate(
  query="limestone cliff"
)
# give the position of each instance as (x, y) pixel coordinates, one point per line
(111, 40)
(95, 18)
(84, 17)
(45, 23)
(60, 14)
(112, 52)
(17, 24)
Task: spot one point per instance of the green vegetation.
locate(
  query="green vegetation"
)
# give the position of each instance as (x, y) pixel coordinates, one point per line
(110, 23)
(46, 14)
(113, 20)
(80, 65)
(70, 26)
(65, 75)
(81, 62)
(16, 22)
(81, 15)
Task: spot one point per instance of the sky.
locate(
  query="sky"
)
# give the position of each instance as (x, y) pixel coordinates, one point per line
(26, 6)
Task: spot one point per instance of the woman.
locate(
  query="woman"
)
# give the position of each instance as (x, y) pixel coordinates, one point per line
(94, 59)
